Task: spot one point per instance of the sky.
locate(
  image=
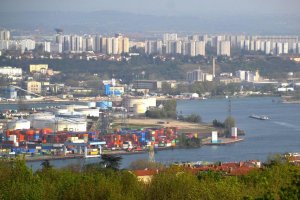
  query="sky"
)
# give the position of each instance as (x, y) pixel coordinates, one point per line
(159, 7)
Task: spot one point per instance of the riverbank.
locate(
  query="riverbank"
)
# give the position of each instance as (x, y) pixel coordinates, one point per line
(164, 123)
(222, 141)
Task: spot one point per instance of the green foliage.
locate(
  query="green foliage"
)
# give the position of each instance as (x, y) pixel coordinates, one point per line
(111, 161)
(46, 165)
(168, 110)
(141, 164)
(229, 123)
(191, 118)
(218, 124)
(190, 142)
(276, 181)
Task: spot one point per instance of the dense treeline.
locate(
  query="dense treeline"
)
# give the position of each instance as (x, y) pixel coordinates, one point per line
(276, 181)
(170, 69)
(166, 109)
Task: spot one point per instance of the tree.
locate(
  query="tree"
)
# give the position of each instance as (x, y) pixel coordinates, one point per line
(46, 165)
(111, 161)
(229, 123)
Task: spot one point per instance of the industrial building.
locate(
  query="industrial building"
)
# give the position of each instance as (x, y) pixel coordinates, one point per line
(198, 76)
(147, 84)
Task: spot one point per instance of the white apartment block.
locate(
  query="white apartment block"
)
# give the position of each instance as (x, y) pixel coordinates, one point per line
(223, 48)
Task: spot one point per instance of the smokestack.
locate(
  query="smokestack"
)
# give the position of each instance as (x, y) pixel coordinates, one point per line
(214, 67)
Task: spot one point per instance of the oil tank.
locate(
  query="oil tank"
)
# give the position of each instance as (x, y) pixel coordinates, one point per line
(139, 108)
(18, 124)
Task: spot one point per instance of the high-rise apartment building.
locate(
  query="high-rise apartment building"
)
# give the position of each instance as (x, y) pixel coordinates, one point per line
(267, 47)
(178, 47)
(223, 48)
(103, 45)
(27, 44)
(192, 48)
(47, 46)
(76, 44)
(169, 36)
(109, 45)
(125, 48)
(67, 43)
(115, 45)
(5, 35)
(153, 47)
(200, 48)
(279, 48)
(171, 47)
(285, 48)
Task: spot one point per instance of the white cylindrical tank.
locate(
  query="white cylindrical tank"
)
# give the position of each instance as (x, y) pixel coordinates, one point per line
(43, 123)
(61, 124)
(139, 108)
(74, 125)
(148, 102)
(214, 137)
(18, 124)
(234, 132)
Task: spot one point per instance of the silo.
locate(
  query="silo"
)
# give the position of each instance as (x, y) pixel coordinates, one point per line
(214, 137)
(234, 132)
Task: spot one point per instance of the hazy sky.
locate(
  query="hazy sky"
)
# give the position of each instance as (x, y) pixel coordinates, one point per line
(158, 7)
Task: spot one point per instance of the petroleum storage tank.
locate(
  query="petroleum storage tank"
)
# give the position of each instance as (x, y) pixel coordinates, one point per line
(74, 125)
(149, 102)
(91, 104)
(18, 124)
(61, 124)
(139, 108)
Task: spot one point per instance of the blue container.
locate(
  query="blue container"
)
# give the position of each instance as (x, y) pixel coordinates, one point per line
(31, 150)
(104, 104)
(107, 90)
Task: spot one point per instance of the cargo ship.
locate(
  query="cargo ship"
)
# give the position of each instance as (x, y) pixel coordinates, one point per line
(260, 117)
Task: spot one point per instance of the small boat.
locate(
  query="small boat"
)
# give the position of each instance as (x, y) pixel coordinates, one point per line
(260, 117)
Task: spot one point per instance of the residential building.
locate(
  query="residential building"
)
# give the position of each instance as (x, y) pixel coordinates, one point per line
(5, 35)
(223, 48)
(27, 44)
(200, 48)
(11, 71)
(38, 67)
(34, 87)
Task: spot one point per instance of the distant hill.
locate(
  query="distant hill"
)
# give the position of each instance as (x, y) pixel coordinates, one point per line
(113, 21)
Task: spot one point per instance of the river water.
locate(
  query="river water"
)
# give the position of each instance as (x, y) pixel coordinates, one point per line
(280, 134)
